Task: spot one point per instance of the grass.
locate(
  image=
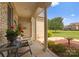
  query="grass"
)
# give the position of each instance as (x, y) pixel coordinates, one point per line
(62, 33)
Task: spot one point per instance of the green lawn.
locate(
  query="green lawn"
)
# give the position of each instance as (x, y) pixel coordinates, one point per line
(72, 34)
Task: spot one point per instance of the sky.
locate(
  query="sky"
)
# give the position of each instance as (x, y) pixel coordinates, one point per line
(69, 11)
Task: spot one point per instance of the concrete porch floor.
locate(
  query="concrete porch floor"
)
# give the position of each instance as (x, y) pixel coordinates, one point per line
(37, 51)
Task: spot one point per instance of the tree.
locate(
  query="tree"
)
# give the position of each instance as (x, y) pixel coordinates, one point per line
(55, 23)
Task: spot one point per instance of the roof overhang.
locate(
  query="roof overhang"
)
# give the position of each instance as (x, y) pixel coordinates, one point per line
(28, 9)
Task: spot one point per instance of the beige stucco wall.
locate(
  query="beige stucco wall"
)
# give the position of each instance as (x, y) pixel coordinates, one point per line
(40, 28)
(26, 24)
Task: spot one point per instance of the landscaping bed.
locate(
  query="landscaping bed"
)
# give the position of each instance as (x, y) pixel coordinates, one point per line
(62, 50)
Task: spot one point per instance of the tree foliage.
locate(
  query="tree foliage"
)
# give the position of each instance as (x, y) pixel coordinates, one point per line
(55, 23)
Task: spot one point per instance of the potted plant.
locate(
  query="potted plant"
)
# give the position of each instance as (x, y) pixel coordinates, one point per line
(12, 35)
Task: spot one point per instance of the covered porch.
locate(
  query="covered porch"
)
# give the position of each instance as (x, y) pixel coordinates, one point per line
(32, 16)
(33, 19)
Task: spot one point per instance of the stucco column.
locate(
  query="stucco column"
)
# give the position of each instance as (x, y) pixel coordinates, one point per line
(45, 30)
(33, 20)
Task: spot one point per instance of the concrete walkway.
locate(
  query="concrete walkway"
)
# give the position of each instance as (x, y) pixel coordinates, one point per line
(37, 51)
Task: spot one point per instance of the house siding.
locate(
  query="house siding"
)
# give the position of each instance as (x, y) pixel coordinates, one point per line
(72, 27)
(3, 22)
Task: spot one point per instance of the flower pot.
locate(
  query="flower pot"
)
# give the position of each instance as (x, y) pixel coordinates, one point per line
(11, 39)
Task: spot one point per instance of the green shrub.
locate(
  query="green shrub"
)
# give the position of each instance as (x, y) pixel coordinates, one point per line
(51, 43)
(57, 48)
(49, 33)
(61, 50)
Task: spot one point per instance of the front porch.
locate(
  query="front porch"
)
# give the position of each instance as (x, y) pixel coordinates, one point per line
(33, 19)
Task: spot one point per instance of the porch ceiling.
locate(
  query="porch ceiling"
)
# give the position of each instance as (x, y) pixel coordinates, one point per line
(28, 9)
(25, 9)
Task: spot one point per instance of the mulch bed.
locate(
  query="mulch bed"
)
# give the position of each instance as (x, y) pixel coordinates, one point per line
(72, 50)
(74, 44)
